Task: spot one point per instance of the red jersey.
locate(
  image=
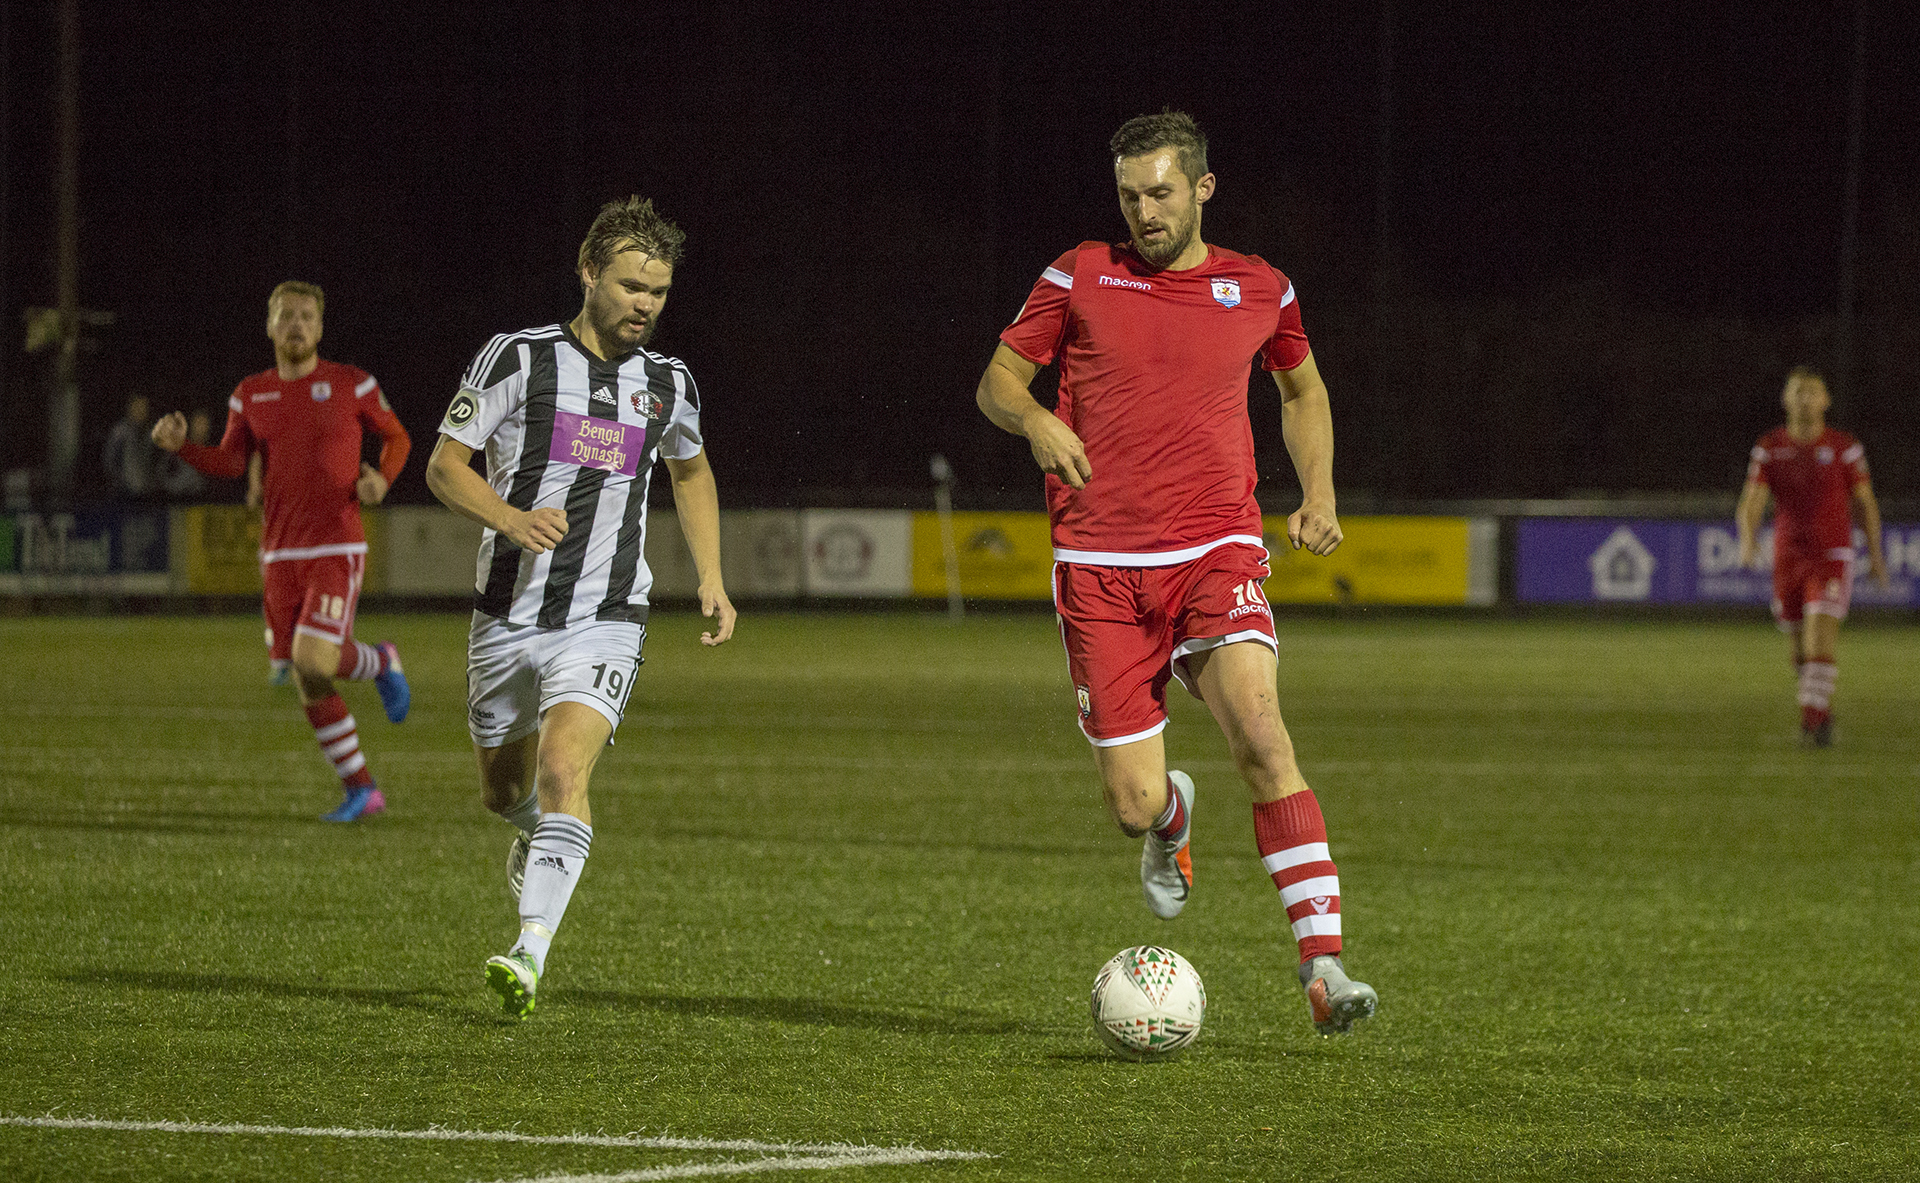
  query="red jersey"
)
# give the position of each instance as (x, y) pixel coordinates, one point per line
(1812, 485)
(1153, 379)
(309, 431)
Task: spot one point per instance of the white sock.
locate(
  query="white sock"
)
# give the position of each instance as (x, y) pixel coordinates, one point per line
(526, 815)
(554, 862)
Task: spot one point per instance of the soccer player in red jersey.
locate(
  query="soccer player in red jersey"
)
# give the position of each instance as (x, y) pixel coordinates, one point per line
(305, 418)
(1158, 553)
(1815, 474)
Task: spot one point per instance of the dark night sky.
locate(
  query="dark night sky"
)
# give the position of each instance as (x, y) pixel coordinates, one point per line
(1610, 229)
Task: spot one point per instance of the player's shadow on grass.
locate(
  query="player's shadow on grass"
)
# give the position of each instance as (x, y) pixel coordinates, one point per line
(811, 1011)
(432, 1000)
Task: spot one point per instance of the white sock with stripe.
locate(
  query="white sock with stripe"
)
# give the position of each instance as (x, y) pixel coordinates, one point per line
(526, 815)
(554, 862)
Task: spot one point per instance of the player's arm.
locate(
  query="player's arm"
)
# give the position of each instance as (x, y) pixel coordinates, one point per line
(395, 445)
(1747, 517)
(228, 460)
(696, 499)
(1004, 398)
(1869, 507)
(451, 477)
(1306, 423)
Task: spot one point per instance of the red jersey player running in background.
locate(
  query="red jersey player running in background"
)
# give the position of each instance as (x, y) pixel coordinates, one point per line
(1158, 553)
(1816, 474)
(305, 418)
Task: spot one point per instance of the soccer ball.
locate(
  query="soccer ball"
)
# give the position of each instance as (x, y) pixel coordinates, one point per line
(1148, 1002)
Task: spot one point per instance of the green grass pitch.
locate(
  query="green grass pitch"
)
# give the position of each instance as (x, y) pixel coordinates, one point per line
(852, 879)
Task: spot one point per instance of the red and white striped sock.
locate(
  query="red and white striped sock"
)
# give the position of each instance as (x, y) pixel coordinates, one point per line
(339, 740)
(361, 662)
(1173, 819)
(1816, 691)
(1293, 847)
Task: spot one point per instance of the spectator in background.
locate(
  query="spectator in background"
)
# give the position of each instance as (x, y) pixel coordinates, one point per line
(178, 479)
(130, 457)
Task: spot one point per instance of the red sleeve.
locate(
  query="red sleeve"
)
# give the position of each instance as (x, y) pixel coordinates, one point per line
(1288, 346)
(230, 458)
(1854, 456)
(1757, 463)
(1040, 330)
(376, 414)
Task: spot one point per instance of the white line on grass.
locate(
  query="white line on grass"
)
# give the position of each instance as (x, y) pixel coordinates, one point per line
(795, 1156)
(903, 1156)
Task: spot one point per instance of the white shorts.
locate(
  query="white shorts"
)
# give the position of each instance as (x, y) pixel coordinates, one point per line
(516, 672)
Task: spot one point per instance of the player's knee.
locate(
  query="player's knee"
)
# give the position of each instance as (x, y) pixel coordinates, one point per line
(1263, 751)
(1131, 799)
(562, 780)
(314, 681)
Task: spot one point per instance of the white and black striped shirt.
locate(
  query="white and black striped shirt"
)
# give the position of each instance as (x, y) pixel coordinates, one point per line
(563, 428)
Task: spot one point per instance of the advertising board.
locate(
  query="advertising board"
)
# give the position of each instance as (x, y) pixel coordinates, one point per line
(1654, 561)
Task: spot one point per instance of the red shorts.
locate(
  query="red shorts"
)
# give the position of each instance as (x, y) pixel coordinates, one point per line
(1129, 630)
(315, 596)
(1806, 585)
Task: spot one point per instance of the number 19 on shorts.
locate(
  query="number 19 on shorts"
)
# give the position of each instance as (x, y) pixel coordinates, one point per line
(614, 684)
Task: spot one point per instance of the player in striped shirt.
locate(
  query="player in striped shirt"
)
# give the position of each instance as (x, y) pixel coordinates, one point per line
(1816, 476)
(572, 417)
(305, 418)
(1157, 541)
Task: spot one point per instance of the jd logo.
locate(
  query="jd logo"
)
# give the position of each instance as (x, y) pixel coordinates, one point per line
(462, 411)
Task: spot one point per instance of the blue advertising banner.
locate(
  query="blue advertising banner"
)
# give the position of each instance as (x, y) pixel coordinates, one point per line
(104, 549)
(1650, 561)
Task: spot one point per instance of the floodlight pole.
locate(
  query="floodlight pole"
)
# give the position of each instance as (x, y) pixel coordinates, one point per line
(63, 436)
(943, 505)
(1850, 209)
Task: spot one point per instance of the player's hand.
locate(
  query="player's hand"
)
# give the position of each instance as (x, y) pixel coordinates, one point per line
(1314, 527)
(714, 603)
(1877, 567)
(170, 431)
(537, 531)
(371, 488)
(1057, 450)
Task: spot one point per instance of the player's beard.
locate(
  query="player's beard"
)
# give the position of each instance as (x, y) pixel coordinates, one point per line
(1179, 236)
(613, 330)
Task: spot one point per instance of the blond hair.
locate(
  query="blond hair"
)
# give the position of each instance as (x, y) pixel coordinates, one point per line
(298, 287)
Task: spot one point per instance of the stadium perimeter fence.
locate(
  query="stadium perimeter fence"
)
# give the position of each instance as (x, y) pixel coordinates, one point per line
(1674, 553)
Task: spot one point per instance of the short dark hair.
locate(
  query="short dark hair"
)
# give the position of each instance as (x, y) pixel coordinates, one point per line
(630, 225)
(1169, 129)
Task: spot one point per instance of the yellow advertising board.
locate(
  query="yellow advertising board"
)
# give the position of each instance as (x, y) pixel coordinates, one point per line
(1003, 556)
(1381, 560)
(218, 546)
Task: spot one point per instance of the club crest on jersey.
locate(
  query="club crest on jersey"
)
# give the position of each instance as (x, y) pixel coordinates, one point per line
(1227, 291)
(649, 404)
(321, 391)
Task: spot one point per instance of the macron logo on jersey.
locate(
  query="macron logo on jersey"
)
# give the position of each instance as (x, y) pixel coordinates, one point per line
(1138, 285)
